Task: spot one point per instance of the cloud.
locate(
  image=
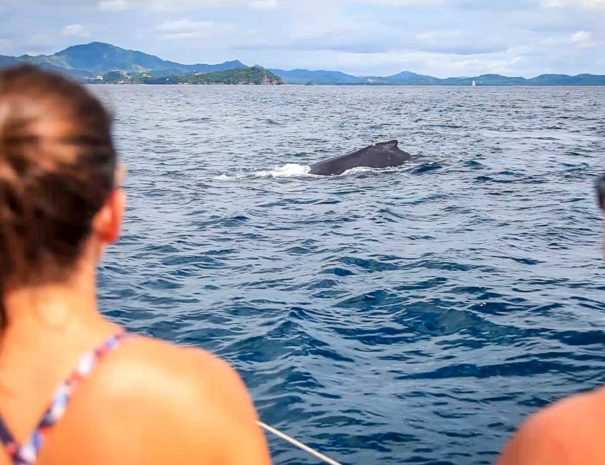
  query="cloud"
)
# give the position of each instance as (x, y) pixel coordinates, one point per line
(388, 42)
(590, 4)
(465, 48)
(186, 29)
(183, 5)
(264, 4)
(583, 39)
(435, 64)
(456, 42)
(179, 5)
(115, 5)
(75, 30)
(399, 3)
(5, 45)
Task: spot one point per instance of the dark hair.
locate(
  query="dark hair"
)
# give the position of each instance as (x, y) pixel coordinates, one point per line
(57, 165)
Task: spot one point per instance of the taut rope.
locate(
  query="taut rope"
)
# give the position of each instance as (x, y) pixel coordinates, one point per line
(298, 444)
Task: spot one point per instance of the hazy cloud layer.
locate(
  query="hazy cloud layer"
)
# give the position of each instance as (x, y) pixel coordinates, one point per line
(373, 37)
(75, 30)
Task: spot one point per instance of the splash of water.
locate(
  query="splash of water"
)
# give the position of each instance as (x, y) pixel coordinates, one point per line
(289, 170)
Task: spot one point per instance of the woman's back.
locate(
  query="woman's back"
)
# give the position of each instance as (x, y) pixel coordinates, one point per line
(144, 401)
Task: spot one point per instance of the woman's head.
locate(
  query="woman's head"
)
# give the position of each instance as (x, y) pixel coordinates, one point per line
(57, 168)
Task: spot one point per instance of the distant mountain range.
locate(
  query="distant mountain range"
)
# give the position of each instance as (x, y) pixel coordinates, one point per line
(93, 61)
(303, 76)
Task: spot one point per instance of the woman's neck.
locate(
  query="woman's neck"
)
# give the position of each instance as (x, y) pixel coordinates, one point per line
(55, 307)
(51, 305)
(48, 327)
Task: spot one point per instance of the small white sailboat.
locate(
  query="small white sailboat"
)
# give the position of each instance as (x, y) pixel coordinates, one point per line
(474, 84)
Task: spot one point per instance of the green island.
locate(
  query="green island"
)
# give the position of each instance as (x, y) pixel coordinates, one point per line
(255, 75)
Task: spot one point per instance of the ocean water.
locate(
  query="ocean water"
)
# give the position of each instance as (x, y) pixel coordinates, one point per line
(414, 315)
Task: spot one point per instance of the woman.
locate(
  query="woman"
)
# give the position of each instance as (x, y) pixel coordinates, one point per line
(569, 432)
(114, 398)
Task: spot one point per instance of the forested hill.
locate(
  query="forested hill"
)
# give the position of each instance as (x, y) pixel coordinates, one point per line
(253, 75)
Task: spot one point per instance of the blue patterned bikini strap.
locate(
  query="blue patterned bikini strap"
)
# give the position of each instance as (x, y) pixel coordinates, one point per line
(27, 453)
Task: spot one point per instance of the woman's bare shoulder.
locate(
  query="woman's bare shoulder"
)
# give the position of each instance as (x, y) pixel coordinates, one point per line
(178, 401)
(562, 433)
(161, 368)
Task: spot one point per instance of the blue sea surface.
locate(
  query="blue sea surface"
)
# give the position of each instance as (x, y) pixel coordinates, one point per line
(415, 315)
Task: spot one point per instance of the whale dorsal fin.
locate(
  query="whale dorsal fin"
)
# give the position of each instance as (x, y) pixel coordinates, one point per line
(391, 143)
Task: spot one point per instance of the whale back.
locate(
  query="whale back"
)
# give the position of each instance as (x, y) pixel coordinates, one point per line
(380, 155)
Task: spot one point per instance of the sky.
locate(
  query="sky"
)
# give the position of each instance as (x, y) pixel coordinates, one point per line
(442, 38)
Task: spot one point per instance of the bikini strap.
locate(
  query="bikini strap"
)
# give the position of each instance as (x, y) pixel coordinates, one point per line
(27, 453)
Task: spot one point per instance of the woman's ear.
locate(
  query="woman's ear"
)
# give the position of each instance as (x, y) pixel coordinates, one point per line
(107, 223)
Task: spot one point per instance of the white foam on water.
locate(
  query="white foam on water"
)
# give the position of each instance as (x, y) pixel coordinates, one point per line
(231, 177)
(289, 170)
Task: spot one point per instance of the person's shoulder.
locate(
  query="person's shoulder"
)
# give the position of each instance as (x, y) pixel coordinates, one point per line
(181, 401)
(569, 431)
(160, 368)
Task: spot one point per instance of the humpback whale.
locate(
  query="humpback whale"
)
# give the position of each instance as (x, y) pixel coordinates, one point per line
(381, 155)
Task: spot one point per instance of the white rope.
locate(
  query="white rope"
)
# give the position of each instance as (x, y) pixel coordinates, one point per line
(298, 444)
